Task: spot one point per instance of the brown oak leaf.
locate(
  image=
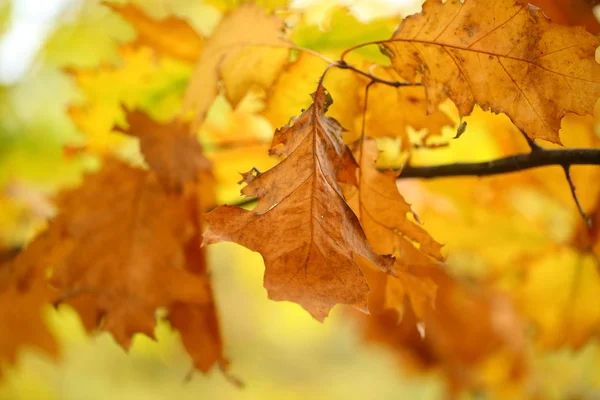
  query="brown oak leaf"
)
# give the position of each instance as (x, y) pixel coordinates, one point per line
(302, 225)
(245, 50)
(126, 256)
(170, 36)
(504, 56)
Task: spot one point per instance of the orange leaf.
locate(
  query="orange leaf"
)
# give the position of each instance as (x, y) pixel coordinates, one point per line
(126, 237)
(505, 57)
(384, 216)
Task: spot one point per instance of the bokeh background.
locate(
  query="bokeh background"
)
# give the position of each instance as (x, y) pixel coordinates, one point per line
(277, 350)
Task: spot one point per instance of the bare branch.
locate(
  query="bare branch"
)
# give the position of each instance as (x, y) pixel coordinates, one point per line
(518, 162)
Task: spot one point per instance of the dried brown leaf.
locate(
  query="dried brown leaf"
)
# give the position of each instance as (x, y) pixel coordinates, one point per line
(302, 225)
(198, 324)
(122, 247)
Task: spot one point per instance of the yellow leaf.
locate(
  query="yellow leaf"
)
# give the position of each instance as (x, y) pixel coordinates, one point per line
(506, 58)
(246, 50)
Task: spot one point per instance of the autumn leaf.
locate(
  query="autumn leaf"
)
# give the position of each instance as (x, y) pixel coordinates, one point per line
(145, 229)
(506, 58)
(170, 36)
(21, 306)
(129, 243)
(385, 215)
(302, 225)
(246, 50)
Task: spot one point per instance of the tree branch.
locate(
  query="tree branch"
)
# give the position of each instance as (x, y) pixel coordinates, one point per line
(540, 158)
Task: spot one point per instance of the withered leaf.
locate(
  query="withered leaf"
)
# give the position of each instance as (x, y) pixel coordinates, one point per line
(245, 50)
(384, 216)
(170, 36)
(302, 225)
(170, 149)
(505, 56)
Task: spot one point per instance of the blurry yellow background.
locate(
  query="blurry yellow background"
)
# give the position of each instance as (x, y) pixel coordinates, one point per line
(276, 349)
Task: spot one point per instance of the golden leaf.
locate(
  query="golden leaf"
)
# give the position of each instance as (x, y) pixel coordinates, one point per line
(505, 57)
(245, 50)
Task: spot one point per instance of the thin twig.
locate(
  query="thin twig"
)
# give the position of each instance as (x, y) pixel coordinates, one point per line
(586, 218)
(341, 64)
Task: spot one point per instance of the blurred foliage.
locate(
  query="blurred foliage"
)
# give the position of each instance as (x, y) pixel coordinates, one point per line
(514, 230)
(279, 351)
(5, 14)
